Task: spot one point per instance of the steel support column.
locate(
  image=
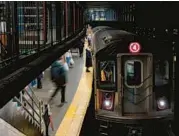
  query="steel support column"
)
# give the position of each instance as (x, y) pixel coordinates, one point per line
(38, 27)
(58, 21)
(66, 19)
(9, 44)
(44, 22)
(74, 19)
(51, 22)
(79, 22)
(15, 29)
(80, 15)
(77, 17)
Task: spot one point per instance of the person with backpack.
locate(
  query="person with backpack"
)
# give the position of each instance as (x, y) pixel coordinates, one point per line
(59, 77)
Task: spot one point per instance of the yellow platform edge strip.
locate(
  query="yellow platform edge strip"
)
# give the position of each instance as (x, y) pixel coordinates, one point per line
(73, 119)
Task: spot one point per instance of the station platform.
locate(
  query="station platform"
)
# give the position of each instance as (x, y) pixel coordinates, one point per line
(68, 119)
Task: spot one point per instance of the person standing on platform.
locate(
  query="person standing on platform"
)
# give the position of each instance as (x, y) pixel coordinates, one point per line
(39, 81)
(88, 59)
(89, 39)
(81, 47)
(59, 77)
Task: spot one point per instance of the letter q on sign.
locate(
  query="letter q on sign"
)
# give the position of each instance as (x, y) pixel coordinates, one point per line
(134, 47)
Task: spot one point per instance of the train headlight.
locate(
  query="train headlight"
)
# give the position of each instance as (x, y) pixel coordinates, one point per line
(107, 101)
(162, 103)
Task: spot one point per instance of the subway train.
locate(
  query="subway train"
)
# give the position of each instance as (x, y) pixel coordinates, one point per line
(133, 86)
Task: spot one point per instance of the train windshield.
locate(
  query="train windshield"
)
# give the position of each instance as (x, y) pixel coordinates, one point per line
(107, 72)
(133, 73)
(161, 72)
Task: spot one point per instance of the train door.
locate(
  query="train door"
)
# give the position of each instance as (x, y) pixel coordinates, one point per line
(135, 83)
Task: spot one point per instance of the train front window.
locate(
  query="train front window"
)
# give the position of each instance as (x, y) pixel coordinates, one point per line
(133, 73)
(161, 72)
(107, 72)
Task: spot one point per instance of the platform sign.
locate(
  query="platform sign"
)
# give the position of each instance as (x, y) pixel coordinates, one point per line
(134, 47)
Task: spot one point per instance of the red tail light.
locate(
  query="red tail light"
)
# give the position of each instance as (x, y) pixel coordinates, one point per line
(107, 101)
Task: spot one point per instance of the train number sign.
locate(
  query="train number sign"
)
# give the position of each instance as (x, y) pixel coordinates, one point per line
(134, 47)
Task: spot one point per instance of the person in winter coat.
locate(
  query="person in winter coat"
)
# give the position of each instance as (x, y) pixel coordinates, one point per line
(59, 77)
(88, 59)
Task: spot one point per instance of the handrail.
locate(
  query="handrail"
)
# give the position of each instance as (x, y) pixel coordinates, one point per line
(32, 98)
(33, 93)
(35, 115)
(141, 82)
(31, 106)
(141, 91)
(140, 100)
(17, 100)
(123, 87)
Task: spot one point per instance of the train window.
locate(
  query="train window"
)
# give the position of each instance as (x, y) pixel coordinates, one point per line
(161, 73)
(133, 72)
(107, 71)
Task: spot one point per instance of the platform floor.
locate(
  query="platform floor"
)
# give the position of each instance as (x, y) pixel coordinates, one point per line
(74, 75)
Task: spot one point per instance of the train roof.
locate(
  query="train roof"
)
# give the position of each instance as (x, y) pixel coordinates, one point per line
(105, 37)
(111, 41)
(99, 28)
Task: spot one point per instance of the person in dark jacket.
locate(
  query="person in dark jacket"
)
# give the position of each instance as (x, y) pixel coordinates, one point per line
(59, 77)
(88, 59)
(80, 47)
(39, 81)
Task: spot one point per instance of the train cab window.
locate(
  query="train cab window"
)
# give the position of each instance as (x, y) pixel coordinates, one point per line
(161, 73)
(107, 72)
(133, 73)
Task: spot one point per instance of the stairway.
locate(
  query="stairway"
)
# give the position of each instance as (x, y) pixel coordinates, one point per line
(8, 130)
(25, 113)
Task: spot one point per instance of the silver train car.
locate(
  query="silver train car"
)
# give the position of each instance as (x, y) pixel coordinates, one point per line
(132, 80)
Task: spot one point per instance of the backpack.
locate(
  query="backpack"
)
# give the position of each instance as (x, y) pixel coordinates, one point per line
(55, 70)
(58, 74)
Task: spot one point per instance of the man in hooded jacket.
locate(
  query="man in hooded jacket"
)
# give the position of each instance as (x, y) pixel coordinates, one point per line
(59, 77)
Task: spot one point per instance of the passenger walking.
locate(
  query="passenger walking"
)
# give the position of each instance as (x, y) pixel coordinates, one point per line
(69, 59)
(59, 77)
(88, 59)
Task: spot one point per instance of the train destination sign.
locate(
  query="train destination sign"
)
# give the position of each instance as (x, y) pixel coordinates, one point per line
(134, 47)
